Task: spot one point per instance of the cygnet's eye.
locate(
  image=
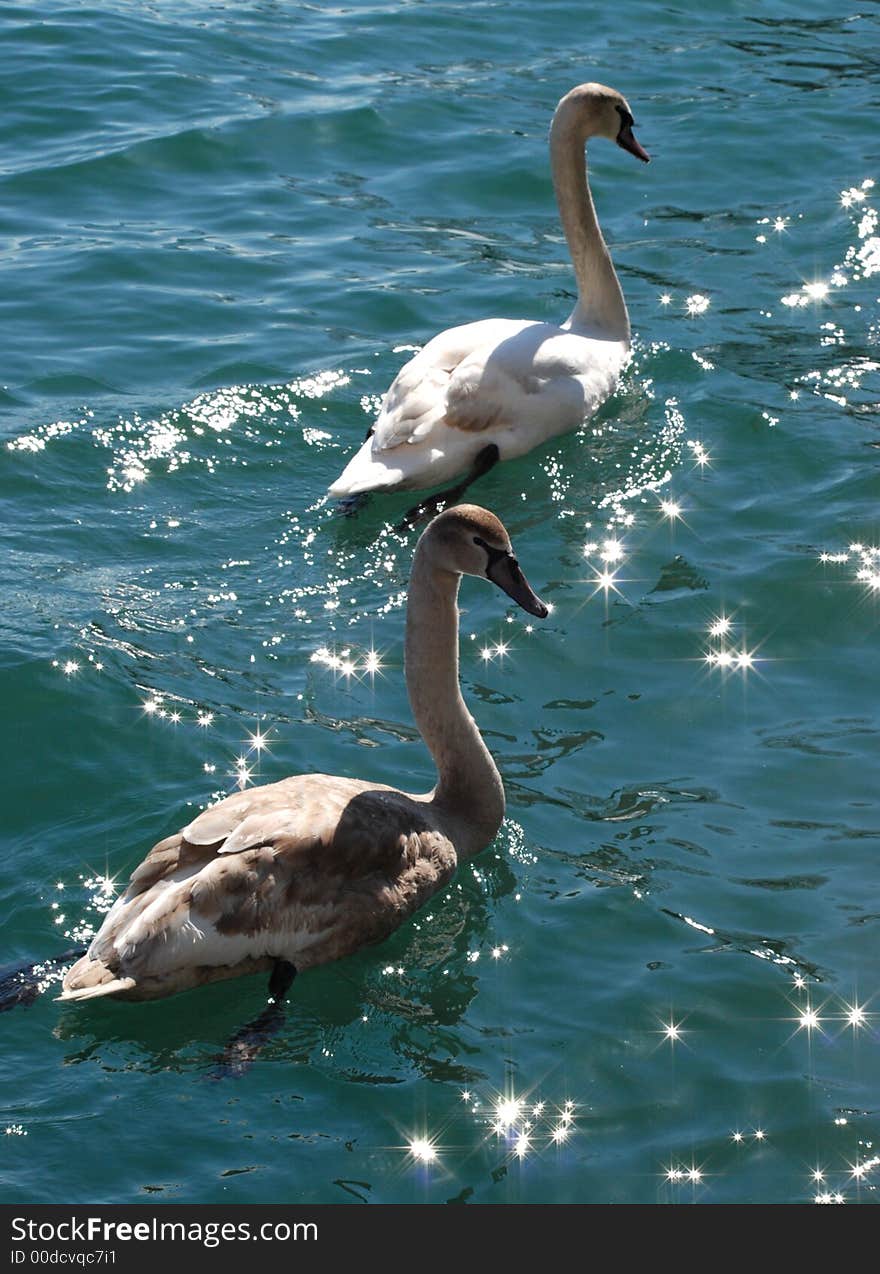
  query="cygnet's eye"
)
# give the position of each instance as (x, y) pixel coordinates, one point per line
(493, 555)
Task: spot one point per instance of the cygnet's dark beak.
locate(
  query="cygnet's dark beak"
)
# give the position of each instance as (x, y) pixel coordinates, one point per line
(626, 139)
(504, 570)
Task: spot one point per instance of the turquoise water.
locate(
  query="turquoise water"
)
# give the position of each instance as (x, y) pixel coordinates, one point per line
(222, 228)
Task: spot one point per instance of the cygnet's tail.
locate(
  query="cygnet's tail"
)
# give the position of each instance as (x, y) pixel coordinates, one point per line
(89, 979)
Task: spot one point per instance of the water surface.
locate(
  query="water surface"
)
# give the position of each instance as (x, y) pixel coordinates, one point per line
(224, 228)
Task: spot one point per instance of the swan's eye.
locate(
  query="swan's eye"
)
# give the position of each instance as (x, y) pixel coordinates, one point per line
(626, 119)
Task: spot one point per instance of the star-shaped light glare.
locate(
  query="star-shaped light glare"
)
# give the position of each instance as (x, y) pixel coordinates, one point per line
(508, 1111)
(422, 1150)
(699, 453)
(696, 304)
(809, 1020)
(856, 1016)
(258, 740)
(817, 291)
(521, 1146)
(372, 662)
(242, 772)
(720, 626)
(670, 509)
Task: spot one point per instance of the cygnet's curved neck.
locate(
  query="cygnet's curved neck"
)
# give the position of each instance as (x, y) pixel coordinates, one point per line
(601, 309)
(469, 796)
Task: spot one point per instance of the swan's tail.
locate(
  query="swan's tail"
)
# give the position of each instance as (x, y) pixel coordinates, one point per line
(89, 979)
(366, 473)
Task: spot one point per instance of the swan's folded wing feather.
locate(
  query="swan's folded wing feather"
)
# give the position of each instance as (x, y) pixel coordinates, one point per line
(417, 400)
(496, 375)
(414, 403)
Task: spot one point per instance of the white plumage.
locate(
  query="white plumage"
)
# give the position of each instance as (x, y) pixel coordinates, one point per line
(513, 383)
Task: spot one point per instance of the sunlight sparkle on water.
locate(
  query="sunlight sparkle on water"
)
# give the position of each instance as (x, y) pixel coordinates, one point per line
(741, 660)
(372, 662)
(422, 1150)
(856, 1016)
(257, 741)
(809, 1021)
(696, 304)
(866, 560)
(700, 454)
(521, 1146)
(508, 1111)
(242, 772)
(605, 582)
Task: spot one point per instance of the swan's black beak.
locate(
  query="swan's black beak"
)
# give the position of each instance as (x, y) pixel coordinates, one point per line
(504, 571)
(627, 141)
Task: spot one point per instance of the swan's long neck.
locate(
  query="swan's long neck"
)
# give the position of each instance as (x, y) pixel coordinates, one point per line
(469, 796)
(601, 308)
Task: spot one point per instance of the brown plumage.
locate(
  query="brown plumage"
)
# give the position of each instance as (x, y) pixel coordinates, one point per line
(313, 867)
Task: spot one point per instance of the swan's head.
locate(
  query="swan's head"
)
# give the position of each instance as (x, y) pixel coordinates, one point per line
(468, 540)
(598, 111)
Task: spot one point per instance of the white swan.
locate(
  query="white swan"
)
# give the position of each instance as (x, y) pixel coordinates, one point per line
(304, 871)
(494, 389)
